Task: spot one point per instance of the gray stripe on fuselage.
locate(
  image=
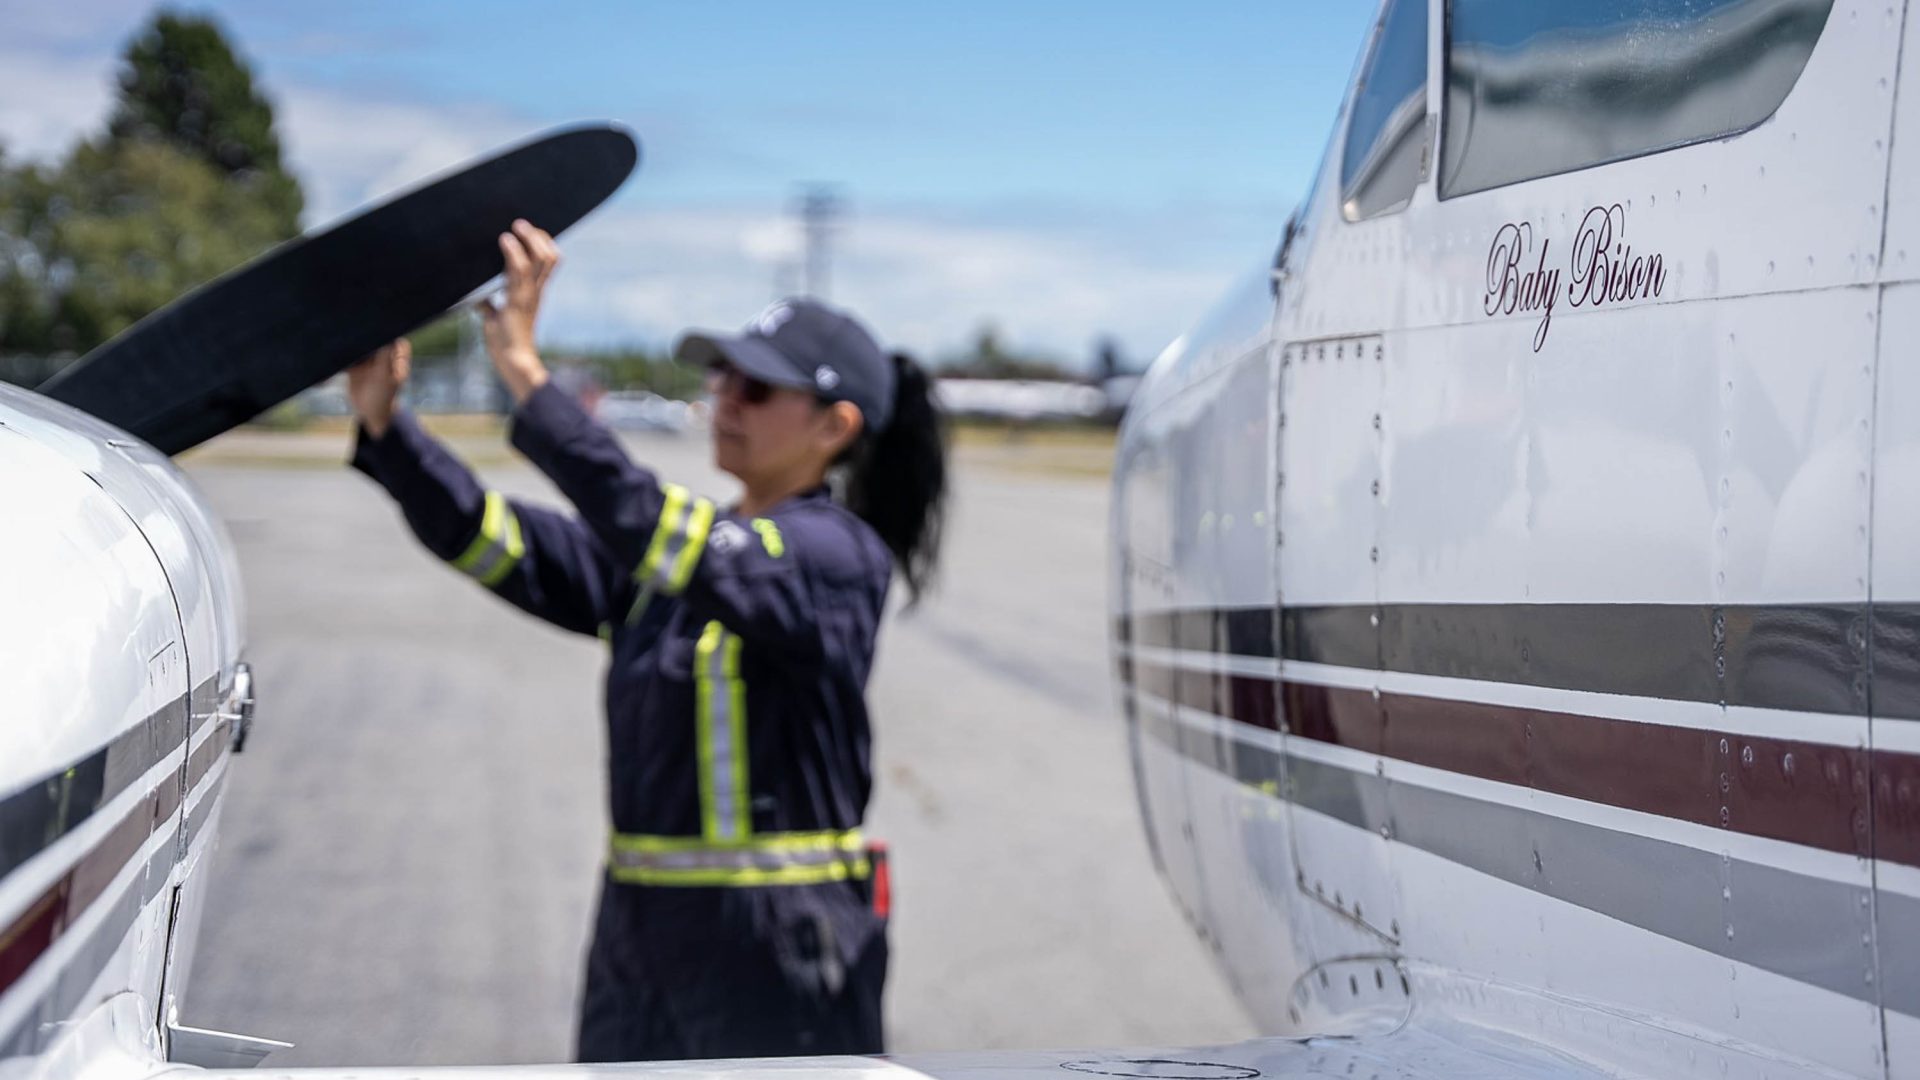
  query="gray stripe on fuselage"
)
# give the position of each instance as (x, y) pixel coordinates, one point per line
(1845, 658)
(36, 817)
(1898, 919)
(134, 752)
(61, 1000)
(206, 701)
(1801, 657)
(1801, 927)
(197, 819)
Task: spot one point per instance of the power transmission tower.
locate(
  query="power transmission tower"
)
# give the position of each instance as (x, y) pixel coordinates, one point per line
(786, 279)
(819, 210)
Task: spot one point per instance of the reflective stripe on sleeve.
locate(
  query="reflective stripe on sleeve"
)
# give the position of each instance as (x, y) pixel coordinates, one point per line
(498, 547)
(670, 514)
(695, 543)
(674, 550)
(677, 542)
(721, 736)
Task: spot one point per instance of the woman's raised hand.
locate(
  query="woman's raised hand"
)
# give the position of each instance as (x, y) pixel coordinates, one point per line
(508, 321)
(374, 384)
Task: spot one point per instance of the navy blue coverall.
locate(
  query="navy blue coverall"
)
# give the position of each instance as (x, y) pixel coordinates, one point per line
(734, 918)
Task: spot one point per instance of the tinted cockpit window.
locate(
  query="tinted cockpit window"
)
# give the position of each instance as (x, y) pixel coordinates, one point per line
(1536, 88)
(1381, 164)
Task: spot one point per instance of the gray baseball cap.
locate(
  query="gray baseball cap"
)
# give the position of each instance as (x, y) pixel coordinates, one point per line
(805, 345)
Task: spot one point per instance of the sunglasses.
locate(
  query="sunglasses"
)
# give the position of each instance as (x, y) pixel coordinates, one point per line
(725, 379)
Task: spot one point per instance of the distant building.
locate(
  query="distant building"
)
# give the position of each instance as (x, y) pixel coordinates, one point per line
(1020, 400)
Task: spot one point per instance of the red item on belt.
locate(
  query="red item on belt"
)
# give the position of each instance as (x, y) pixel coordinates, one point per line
(882, 879)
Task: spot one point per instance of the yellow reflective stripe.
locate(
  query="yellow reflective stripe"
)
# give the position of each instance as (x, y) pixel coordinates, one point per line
(669, 524)
(697, 530)
(776, 858)
(483, 540)
(498, 547)
(674, 551)
(703, 725)
(848, 841)
(737, 717)
(770, 537)
(516, 546)
(855, 869)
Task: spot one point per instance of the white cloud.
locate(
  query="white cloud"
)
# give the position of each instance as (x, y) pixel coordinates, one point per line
(57, 85)
(933, 283)
(348, 151)
(40, 26)
(47, 102)
(647, 272)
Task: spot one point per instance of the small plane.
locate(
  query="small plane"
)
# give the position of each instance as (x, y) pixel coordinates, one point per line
(1515, 619)
(1517, 589)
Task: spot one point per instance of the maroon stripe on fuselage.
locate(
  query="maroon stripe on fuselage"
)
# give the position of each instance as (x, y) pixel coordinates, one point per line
(1246, 698)
(23, 942)
(167, 799)
(1896, 807)
(35, 931)
(96, 869)
(1799, 792)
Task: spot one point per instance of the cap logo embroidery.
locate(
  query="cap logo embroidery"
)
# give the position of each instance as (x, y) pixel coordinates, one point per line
(726, 536)
(825, 377)
(768, 322)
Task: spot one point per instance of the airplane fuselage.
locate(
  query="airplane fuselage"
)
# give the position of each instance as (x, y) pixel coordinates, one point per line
(1515, 591)
(121, 628)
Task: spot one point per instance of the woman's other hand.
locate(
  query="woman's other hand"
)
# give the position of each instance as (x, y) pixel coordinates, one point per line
(531, 257)
(373, 385)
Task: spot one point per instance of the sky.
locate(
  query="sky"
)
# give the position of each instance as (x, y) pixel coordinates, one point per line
(1061, 171)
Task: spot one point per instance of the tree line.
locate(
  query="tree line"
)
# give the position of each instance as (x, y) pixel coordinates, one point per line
(186, 182)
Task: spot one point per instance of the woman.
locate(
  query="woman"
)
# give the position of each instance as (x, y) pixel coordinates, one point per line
(735, 917)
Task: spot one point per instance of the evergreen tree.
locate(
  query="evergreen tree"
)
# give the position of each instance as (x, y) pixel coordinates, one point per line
(186, 184)
(144, 223)
(991, 359)
(181, 83)
(26, 234)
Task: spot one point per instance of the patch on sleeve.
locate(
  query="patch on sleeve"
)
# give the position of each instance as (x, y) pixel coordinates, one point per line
(727, 537)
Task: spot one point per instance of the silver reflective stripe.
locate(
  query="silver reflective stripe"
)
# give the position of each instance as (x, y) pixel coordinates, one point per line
(492, 568)
(766, 859)
(722, 721)
(497, 548)
(674, 550)
(677, 541)
(725, 859)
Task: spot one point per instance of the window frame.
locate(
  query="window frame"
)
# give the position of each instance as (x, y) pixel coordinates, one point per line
(1429, 122)
(1444, 123)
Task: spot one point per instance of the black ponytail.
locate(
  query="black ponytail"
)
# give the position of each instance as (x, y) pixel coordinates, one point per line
(897, 480)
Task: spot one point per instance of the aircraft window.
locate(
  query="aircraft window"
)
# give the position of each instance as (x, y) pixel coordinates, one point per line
(1386, 131)
(1535, 89)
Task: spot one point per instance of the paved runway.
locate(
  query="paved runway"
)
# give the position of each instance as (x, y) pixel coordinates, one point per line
(411, 838)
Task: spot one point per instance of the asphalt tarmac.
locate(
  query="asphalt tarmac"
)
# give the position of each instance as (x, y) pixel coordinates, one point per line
(411, 841)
